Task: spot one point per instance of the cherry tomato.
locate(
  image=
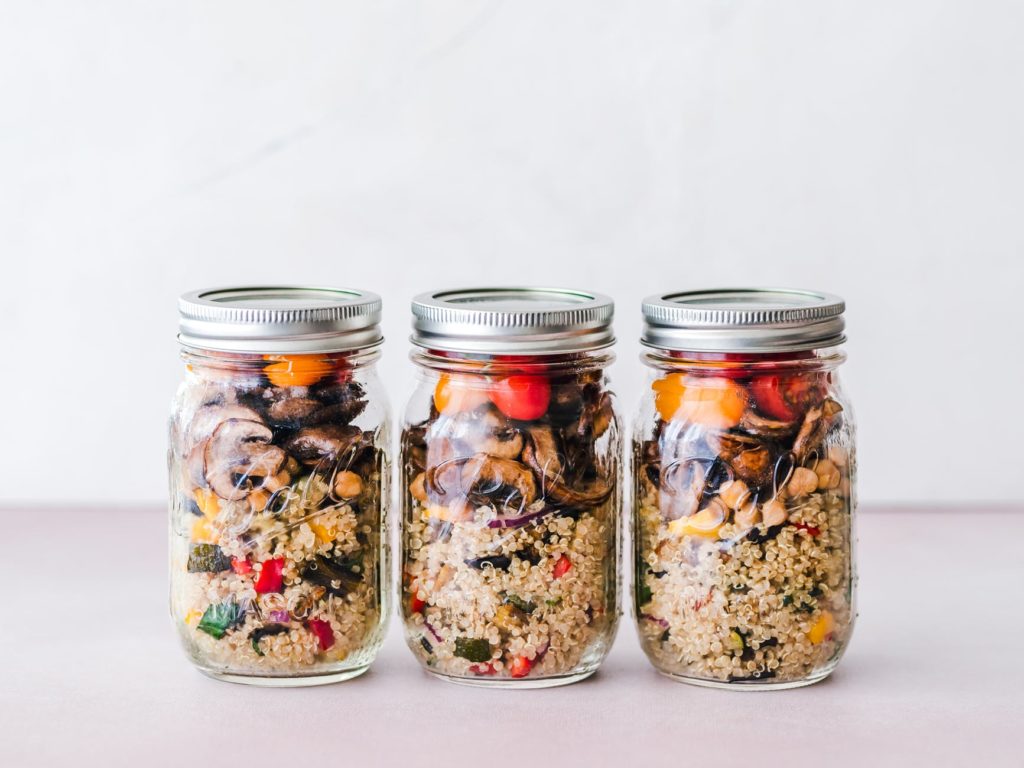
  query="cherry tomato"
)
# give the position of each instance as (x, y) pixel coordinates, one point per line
(785, 396)
(520, 666)
(296, 370)
(322, 630)
(712, 402)
(522, 397)
(562, 567)
(457, 393)
(271, 576)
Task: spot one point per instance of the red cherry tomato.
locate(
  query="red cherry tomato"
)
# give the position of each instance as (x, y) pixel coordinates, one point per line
(520, 397)
(785, 397)
(271, 576)
(322, 630)
(520, 666)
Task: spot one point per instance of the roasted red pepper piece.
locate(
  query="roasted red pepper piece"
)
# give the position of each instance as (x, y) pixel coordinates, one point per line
(241, 566)
(562, 567)
(809, 528)
(520, 666)
(271, 576)
(322, 630)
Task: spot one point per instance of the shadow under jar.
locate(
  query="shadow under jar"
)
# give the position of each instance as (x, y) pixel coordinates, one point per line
(278, 485)
(743, 466)
(510, 486)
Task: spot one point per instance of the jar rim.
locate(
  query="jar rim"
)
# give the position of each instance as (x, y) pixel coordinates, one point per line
(280, 319)
(743, 320)
(513, 320)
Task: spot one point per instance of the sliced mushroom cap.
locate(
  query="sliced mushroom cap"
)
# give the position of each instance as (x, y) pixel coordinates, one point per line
(595, 418)
(541, 454)
(292, 411)
(327, 444)
(442, 477)
(239, 457)
(756, 424)
(817, 423)
(483, 430)
(209, 417)
(507, 484)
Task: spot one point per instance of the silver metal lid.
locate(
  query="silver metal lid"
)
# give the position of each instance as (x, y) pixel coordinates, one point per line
(743, 320)
(280, 319)
(513, 320)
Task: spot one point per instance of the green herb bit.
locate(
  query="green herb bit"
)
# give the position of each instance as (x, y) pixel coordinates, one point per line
(473, 649)
(644, 594)
(219, 618)
(553, 603)
(207, 558)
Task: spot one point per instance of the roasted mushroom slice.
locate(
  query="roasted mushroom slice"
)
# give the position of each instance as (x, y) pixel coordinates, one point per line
(756, 424)
(343, 402)
(292, 411)
(817, 423)
(541, 454)
(481, 431)
(504, 484)
(239, 458)
(595, 418)
(750, 458)
(209, 417)
(327, 444)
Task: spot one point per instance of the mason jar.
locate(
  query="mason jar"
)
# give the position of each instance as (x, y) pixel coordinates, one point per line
(744, 469)
(278, 466)
(510, 487)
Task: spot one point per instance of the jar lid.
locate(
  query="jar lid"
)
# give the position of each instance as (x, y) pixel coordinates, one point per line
(280, 319)
(513, 320)
(743, 320)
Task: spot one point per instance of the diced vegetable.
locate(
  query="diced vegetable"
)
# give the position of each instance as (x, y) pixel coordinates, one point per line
(526, 606)
(785, 397)
(736, 641)
(322, 630)
(338, 576)
(705, 523)
(258, 634)
(483, 669)
(207, 502)
(454, 394)
(219, 618)
(810, 529)
(241, 566)
(712, 402)
(271, 577)
(504, 617)
(416, 605)
(473, 649)
(520, 666)
(562, 567)
(822, 628)
(296, 370)
(202, 532)
(207, 558)
(522, 397)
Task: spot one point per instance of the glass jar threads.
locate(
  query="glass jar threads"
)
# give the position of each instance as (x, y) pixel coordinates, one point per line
(510, 487)
(743, 466)
(278, 485)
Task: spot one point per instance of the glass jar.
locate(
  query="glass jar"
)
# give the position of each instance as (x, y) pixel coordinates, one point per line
(743, 467)
(279, 469)
(510, 487)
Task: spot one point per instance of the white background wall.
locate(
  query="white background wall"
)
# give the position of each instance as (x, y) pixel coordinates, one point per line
(868, 148)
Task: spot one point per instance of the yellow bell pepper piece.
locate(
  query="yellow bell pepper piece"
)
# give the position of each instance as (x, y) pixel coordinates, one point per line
(705, 523)
(192, 618)
(822, 628)
(202, 533)
(323, 533)
(207, 502)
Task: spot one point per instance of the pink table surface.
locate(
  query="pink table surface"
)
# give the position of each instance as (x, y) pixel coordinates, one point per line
(91, 673)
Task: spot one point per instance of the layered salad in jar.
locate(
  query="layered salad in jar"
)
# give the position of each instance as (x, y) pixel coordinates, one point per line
(276, 516)
(743, 485)
(510, 531)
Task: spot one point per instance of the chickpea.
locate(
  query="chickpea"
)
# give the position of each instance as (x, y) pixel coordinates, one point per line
(347, 485)
(418, 487)
(748, 516)
(774, 513)
(734, 493)
(828, 475)
(803, 482)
